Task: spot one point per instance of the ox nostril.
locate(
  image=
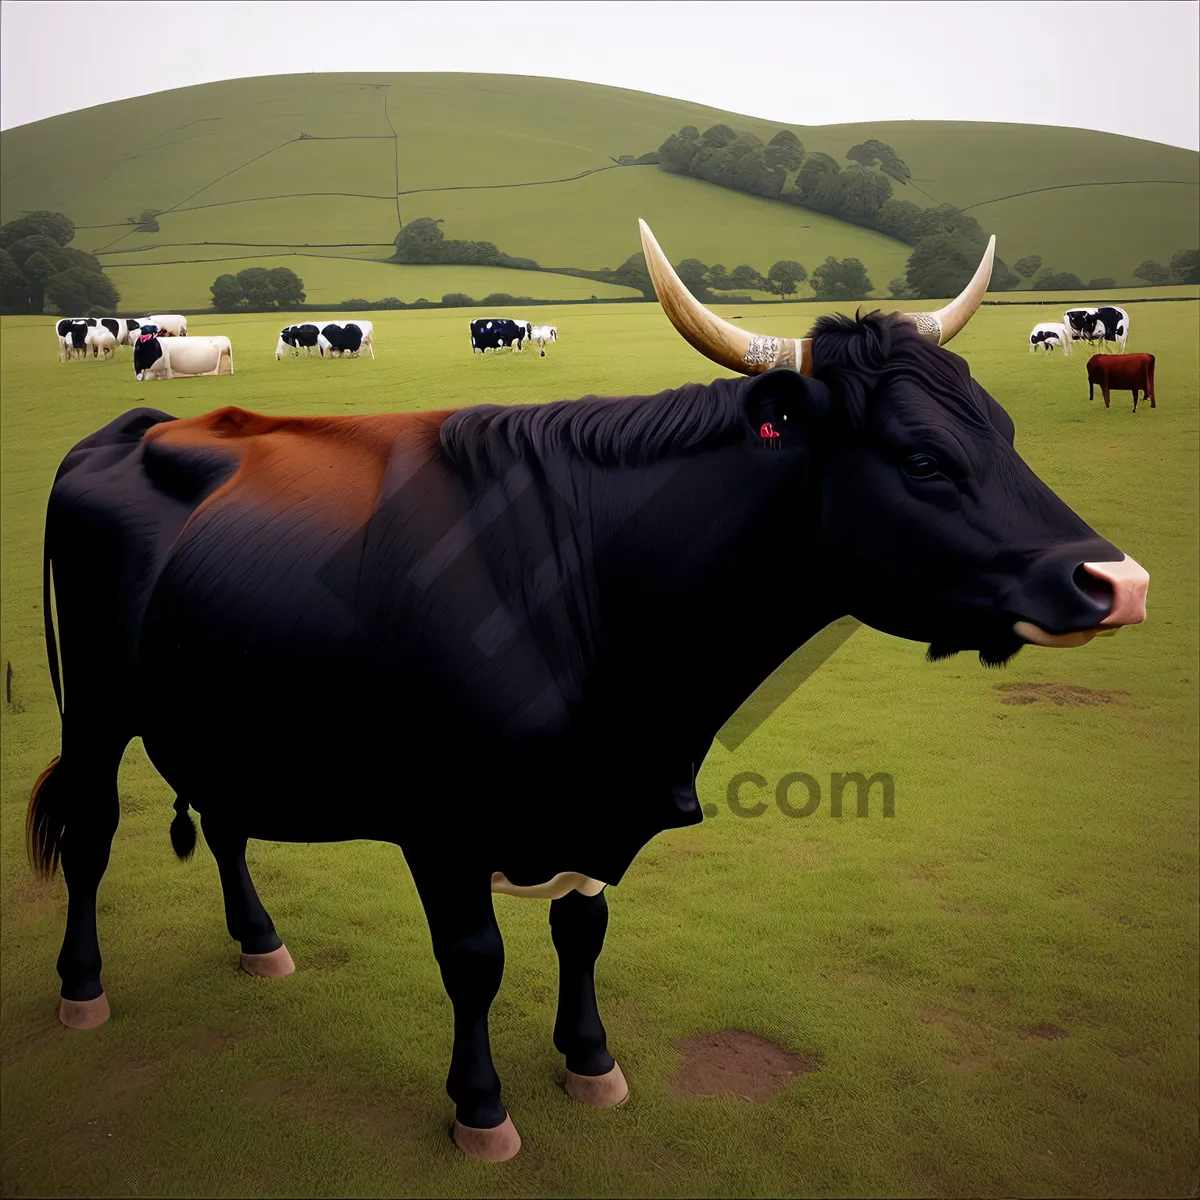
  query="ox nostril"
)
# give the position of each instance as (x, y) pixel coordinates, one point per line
(1098, 590)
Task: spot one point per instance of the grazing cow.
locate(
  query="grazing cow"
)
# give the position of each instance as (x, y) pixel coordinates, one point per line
(1048, 335)
(340, 337)
(546, 600)
(495, 333)
(169, 324)
(1082, 324)
(101, 341)
(72, 337)
(130, 328)
(1112, 325)
(1133, 371)
(294, 337)
(161, 357)
(541, 334)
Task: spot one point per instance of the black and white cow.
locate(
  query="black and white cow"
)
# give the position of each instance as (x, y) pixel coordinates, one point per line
(1049, 334)
(338, 338)
(541, 334)
(1112, 325)
(297, 337)
(497, 333)
(72, 336)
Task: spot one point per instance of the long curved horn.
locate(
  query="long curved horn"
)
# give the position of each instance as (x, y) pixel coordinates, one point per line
(941, 326)
(752, 354)
(749, 353)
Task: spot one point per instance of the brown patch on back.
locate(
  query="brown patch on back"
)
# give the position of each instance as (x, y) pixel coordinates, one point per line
(1064, 695)
(286, 461)
(1044, 1030)
(737, 1062)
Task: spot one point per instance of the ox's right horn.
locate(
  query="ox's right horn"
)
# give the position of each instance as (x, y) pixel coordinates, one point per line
(939, 327)
(735, 348)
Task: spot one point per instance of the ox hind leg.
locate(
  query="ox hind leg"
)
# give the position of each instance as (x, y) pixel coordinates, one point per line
(73, 816)
(577, 927)
(470, 955)
(263, 951)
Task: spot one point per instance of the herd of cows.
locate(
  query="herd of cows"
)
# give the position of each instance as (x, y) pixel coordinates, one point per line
(160, 353)
(1106, 324)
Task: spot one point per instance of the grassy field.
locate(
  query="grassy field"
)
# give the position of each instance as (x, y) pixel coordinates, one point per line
(497, 157)
(1000, 981)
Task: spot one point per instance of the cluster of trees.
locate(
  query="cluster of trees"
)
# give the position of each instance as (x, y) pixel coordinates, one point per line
(421, 241)
(782, 170)
(947, 243)
(257, 289)
(1184, 268)
(38, 267)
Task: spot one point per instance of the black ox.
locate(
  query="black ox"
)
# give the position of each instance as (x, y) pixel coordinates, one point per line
(507, 603)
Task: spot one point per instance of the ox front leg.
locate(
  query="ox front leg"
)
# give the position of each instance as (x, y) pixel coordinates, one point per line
(470, 954)
(263, 951)
(578, 924)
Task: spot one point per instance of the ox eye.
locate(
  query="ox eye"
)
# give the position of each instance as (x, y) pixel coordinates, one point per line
(922, 466)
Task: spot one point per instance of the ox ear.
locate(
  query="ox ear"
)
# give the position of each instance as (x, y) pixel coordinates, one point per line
(786, 401)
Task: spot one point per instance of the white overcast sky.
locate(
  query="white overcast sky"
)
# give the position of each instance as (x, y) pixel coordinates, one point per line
(1124, 67)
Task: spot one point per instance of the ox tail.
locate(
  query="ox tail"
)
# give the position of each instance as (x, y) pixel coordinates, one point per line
(183, 830)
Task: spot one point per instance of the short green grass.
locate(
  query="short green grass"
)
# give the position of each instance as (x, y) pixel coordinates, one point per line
(1040, 870)
(421, 134)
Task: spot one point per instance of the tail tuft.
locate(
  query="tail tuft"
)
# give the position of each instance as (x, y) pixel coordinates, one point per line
(183, 831)
(45, 822)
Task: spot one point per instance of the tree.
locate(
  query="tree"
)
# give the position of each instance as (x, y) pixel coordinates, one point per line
(79, 291)
(1185, 266)
(1102, 284)
(288, 286)
(55, 226)
(784, 152)
(718, 277)
(898, 289)
(1058, 281)
(785, 276)
(841, 279)
(861, 193)
(226, 293)
(745, 276)
(419, 241)
(257, 287)
(633, 273)
(875, 153)
(1028, 266)
(815, 184)
(1155, 274)
(942, 265)
(457, 300)
(14, 288)
(905, 221)
(677, 152)
(694, 275)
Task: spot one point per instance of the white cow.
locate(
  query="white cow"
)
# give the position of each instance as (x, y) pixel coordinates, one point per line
(171, 324)
(100, 341)
(169, 358)
(1049, 334)
(332, 344)
(541, 334)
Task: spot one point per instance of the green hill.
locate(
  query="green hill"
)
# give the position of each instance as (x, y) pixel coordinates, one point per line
(310, 171)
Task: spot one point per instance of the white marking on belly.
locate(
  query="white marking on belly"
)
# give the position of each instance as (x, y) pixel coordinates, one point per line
(552, 889)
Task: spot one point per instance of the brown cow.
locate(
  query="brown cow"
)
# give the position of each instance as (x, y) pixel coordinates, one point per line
(1131, 371)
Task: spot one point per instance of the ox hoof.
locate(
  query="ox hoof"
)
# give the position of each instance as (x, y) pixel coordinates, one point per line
(488, 1145)
(598, 1091)
(275, 965)
(84, 1014)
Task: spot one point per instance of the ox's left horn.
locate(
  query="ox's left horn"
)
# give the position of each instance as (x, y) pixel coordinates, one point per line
(941, 326)
(724, 343)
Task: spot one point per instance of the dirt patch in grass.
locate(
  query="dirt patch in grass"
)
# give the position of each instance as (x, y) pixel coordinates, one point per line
(32, 1041)
(1064, 695)
(739, 1063)
(973, 1048)
(1044, 1030)
(329, 959)
(109, 1104)
(379, 1118)
(214, 1041)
